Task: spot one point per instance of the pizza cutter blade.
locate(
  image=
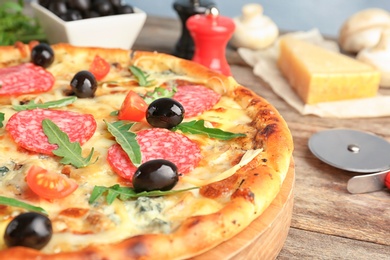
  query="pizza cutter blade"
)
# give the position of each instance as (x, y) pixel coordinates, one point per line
(354, 151)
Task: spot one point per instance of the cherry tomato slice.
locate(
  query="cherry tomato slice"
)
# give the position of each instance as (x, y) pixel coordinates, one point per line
(133, 108)
(99, 67)
(49, 185)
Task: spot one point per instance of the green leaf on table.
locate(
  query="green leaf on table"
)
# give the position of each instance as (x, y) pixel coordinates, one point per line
(71, 153)
(141, 76)
(20, 204)
(126, 139)
(127, 193)
(50, 104)
(159, 92)
(198, 127)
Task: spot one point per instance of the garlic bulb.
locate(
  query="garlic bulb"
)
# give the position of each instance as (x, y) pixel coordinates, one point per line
(253, 29)
(363, 29)
(379, 57)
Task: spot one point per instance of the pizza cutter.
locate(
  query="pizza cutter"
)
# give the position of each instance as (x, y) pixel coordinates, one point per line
(363, 153)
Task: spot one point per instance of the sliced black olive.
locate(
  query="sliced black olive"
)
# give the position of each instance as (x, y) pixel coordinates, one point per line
(165, 113)
(84, 84)
(155, 175)
(30, 229)
(42, 55)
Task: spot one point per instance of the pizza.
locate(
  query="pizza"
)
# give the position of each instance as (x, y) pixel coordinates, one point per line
(121, 154)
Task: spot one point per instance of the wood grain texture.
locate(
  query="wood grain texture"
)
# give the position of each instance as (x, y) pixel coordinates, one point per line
(327, 221)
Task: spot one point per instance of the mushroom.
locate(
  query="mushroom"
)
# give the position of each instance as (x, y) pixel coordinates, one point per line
(379, 57)
(253, 29)
(363, 29)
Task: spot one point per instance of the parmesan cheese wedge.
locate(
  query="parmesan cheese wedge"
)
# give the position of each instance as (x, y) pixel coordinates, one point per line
(319, 75)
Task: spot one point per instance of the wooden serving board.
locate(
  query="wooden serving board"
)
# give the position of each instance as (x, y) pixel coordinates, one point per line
(264, 238)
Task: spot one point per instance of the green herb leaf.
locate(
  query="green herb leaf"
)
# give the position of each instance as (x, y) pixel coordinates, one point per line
(159, 92)
(141, 76)
(3, 170)
(71, 153)
(127, 193)
(1, 119)
(16, 26)
(197, 127)
(50, 104)
(20, 204)
(126, 139)
(114, 113)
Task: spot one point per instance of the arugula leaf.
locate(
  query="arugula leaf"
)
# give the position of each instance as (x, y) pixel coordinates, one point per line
(1, 119)
(114, 113)
(127, 193)
(159, 92)
(197, 127)
(141, 76)
(50, 104)
(126, 139)
(20, 204)
(70, 152)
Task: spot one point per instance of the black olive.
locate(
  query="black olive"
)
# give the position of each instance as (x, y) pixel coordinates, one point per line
(29, 229)
(91, 14)
(103, 7)
(84, 84)
(156, 174)
(44, 3)
(58, 7)
(116, 3)
(72, 15)
(165, 113)
(42, 55)
(81, 5)
(124, 9)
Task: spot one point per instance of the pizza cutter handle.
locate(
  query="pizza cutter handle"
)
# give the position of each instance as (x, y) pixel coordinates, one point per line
(369, 182)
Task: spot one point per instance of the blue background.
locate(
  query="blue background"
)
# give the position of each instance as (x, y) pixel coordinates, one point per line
(289, 15)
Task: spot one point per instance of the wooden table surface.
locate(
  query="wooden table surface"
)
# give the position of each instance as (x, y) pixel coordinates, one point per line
(327, 221)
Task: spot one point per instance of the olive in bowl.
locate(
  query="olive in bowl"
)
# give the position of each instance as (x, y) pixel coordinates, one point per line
(72, 10)
(91, 25)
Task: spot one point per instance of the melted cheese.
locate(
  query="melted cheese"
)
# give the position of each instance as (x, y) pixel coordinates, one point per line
(114, 222)
(319, 75)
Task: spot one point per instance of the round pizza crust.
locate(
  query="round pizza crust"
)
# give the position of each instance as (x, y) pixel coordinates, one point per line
(253, 187)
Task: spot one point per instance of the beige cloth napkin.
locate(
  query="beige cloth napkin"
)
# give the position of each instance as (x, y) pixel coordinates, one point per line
(264, 66)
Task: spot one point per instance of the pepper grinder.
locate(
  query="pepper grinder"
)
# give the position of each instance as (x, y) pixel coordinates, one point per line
(211, 33)
(185, 46)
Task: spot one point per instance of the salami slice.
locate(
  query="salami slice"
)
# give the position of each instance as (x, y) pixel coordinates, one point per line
(25, 79)
(157, 143)
(196, 99)
(25, 128)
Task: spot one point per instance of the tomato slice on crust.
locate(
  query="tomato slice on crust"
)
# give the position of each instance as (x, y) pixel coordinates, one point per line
(99, 67)
(133, 108)
(49, 185)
